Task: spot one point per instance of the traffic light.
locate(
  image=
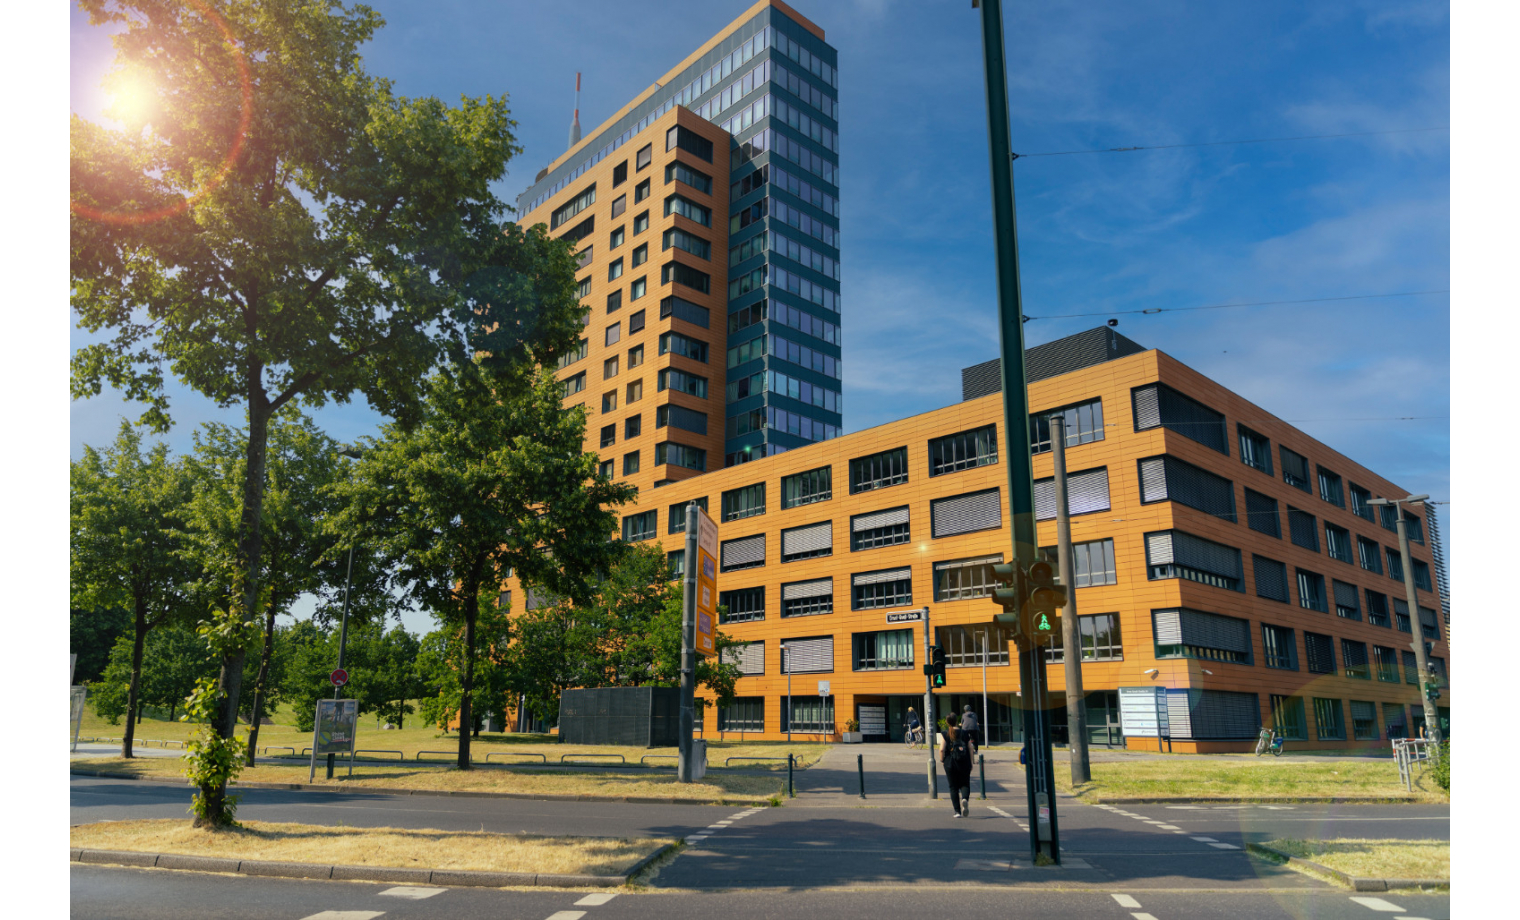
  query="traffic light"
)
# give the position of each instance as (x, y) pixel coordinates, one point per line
(936, 666)
(1010, 594)
(1041, 611)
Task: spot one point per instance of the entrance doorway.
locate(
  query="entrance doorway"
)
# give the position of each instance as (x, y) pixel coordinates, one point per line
(1103, 719)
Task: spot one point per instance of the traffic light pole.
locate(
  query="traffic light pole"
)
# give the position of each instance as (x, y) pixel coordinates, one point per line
(1071, 640)
(1417, 627)
(1043, 836)
(929, 709)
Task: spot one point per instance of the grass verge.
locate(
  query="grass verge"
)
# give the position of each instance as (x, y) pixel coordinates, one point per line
(1404, 859)
(1206, 779)
(715, 787)
(372, 846)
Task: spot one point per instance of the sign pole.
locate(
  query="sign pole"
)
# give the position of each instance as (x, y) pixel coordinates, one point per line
(688, 650)
(929, 725)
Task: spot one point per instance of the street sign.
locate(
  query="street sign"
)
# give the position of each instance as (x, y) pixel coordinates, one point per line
(911, 616)
(339, 677)
(707, 582)
(823, 688)
(335, 731)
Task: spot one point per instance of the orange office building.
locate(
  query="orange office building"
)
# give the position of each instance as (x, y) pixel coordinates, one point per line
(1229, 571)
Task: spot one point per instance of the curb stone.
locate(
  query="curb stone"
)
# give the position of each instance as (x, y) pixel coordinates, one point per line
(1255, 800)
(457, 878)
(1355, 883)
(464, 793)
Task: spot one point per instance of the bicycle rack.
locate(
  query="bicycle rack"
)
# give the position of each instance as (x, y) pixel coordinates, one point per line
(541, 758)
(618, 756)
(399, 755)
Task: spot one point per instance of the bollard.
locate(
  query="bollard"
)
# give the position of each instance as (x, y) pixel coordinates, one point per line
(981, 761)
(791, 788)
(860, 765)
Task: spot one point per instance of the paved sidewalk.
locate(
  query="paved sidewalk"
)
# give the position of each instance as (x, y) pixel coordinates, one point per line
(895, 777)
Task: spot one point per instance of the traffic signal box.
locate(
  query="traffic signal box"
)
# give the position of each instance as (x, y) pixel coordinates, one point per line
(935, 669)
(1031, 601)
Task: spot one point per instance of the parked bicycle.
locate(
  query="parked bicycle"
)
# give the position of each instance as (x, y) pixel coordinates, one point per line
(1269, 742)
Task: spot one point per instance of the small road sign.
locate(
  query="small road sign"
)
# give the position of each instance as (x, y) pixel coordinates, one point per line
(823, 688)
(339, 677)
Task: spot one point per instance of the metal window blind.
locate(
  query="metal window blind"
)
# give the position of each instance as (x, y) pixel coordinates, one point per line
(1261, 514)
(818, 587)
(803, 656)
(1401, 614)
(968, 563)
(1271, 578)
(1411, 669)
(1345, 596)
(1387, 662)
(1153, 479)
(1393, 719)
(888, 518)
(1086, 492)
(743, 551)
(1432, 629)
(876, 578)
(1319, 653)
(1364, 720)
(810, 539)
(1179, 714)
(685, 419)
(1174, 546)
(1147, 407)
(1295, 468)
(1159, 404)
(1167, 478)
(1302, 530)
(966, 513)
(1218, 714)
(1353, 654)
(750, 657)
(1205, 630)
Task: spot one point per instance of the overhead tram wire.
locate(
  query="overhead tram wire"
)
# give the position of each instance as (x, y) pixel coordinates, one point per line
(1254, 140)
(1227, 306)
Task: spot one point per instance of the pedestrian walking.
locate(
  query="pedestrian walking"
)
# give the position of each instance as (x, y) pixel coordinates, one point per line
(957, 754)
(971, 726)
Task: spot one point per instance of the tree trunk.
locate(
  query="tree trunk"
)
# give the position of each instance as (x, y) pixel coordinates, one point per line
(466, 716)
(134, 686)
(258, 684)
(172, 706)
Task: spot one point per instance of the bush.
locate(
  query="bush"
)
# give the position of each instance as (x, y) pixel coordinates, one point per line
(1440, 768)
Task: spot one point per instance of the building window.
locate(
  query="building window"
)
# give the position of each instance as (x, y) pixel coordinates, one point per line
(574, 384)
(691, 458)
(637, 288)
(1099, 635)
(1329, 720)
(743, 605)
(635, 392)
(620, 174)
(607, 469)
(1377, 608)
(609, 401)
(888, 650)
(1354, 656)
(806, 488)
(1174, 554)
(619, 205)
(687, 242)
(1301, 529)
(630, 463)
(572, 356)
(965, 645)
(679, 137)
(609, 368)
(677, 515)
(1346, 606)
(1429, 627)
(1330, 488)
(1271, 578)
(685, 346)
(1319, 653)
(1311, 591)
(1367, 553)
(583, 258)
(681, 382)
(644, 157)
(615, 239)
(1288, 717)
(685, 274)
(1364, 720)
(1261, 514)
(965, 579)
(1278, 647)
(675, 564)
(632, 425)
(1395, 564)
(1158, 405)
(613, 334)
(685, 207)
(1400, 615)
(640, 255)
(747, 501)
(1167, 478)
(1255, 449)
(1388, 516)
(1413, 528)
(1421, 574)
(609, 435)
(1359, 499)
(573, 207)
(641, 191)
(887, 468)
(744, 714)
(640, 526)
(1184, 633)
(682, 418)
(1387, 663)
(807, 598)
(807, 542)
(743, 553)
(810, 715)
(1092, 562)
(635, 356)
(963, 451)
(615, 301)
(583, 288)
(967, 513)
(1084, 424)
(1338, 543)
(615, 270)
(1295, 468)
(641, 223)
(879, 528)
(874, 590)
(680, 172)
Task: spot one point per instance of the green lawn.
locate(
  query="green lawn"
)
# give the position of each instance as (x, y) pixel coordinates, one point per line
(1245, 778)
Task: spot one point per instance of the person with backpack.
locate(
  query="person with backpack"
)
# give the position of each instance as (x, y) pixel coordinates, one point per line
(956, 754)
(970, 726)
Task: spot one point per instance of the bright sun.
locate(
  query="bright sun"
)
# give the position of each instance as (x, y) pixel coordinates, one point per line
(133, 100)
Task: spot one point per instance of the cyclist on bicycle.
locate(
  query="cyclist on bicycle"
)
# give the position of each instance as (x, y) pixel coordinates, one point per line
(914, 731)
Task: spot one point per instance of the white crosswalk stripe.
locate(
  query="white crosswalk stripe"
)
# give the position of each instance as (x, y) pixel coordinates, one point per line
(1379, 904)
(414, 894)
(596, 900)
(346, 915)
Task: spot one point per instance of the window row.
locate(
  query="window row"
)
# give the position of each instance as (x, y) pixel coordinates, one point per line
(813, 394)
(757, 278)
(785, 246)
(786, 315)
(786, 214)
(790, 150)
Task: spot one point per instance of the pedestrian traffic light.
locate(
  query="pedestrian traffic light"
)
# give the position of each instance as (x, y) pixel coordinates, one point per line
(936, 666)
(1041, 611)
(1009, 593)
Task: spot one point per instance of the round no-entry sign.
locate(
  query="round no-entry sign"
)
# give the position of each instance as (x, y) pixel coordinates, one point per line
(339, 677)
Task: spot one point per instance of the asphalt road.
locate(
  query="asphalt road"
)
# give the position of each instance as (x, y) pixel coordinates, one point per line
(104, 893)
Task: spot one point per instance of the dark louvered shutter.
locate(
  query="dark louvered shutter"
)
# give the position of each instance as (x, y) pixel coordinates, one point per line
(1319, 653)
(1301, 528)
(1271, 578)
(1261, 514)
(1220, 714)
(1206, 555)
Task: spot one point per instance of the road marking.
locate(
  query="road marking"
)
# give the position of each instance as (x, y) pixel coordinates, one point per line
(694, 837)
(566, 915)
(1169, 827)
(352, 915)
(596, 900)
(1143, 916)
(720, 824)
(1224, 846)
(415, 894)
(983, 865)
(1126, 901)
(1205, 839)
(717, 827)
(1378, 904)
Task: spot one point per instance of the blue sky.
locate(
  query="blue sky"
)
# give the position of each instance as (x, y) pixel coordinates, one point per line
(1098, 232)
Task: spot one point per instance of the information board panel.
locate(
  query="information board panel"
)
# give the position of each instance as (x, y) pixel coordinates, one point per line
(1142, 712)
(873, 720)
(707, 582)
(336, 730)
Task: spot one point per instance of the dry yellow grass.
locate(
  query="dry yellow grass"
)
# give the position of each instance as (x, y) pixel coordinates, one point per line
(716, 787)
(377, 846)
(1374, 858)
(1247, 778)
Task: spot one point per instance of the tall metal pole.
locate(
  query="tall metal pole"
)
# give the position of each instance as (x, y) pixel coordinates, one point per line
(1043, 835)
(986, 721)
(929, 724)
(1432, 719)
(348, 584)
(790, 713)
(1076, 713)
(685, 769)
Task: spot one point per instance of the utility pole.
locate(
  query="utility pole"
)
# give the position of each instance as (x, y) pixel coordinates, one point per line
(929, 710)
(348, 584)
(985, 714)
(1076, 712)
(1417, 627)
(685, 769)
(1044, 836)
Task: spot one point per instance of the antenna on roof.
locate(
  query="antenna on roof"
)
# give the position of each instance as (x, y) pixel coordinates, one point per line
(575, 125)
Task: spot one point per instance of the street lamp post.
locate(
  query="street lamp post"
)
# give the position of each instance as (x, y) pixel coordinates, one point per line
(986, 723)
(348, 584)
(1417, 627)
(786, 659)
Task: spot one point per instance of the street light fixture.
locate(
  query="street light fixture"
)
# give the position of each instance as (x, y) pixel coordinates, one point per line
(1417, 627)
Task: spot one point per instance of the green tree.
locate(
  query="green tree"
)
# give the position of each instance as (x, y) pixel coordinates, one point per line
(493, 479)
(442, 664)
(92, 633)
(175, 658)
(126, 548)
(278, 226)
(397, 678)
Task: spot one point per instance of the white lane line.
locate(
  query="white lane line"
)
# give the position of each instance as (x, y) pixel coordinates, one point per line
(1143, 916)
(1169, 827)
(346, 915)
(1126, 901)
(720, 824)
(413, 894)
(596, 900)
(1205, 839)
(691, 837)
(1411, 918)
(1224, 846)
(566, 915)
(1379, 904)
